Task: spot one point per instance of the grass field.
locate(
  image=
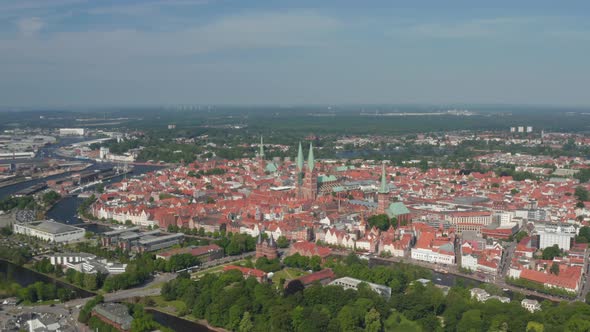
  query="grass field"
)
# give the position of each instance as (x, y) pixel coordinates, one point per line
(288, 274)
(216, 269)
(174, 307)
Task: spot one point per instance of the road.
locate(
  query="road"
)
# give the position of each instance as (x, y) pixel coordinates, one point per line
(585, 287)
(455, 271)
(507, 255)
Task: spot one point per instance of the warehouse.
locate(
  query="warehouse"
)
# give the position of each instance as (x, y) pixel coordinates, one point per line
(50, 231)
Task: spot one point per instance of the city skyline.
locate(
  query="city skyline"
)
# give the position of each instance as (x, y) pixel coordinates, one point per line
(73, 52)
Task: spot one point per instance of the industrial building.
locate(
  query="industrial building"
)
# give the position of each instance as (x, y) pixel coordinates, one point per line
(134, 239)
(50, 231)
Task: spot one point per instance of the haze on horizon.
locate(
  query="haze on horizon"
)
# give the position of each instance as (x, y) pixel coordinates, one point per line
(95, 53)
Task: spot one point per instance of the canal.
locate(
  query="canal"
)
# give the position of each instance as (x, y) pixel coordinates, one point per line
(450, 280)
(175, 323)
(26, 277)
(66, 210)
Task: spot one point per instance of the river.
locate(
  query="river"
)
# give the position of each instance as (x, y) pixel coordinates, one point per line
(25, 277)
(175, 323)
(66, 210)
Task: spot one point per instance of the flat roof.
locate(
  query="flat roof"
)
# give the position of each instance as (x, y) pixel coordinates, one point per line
(120, 231)
(156, 239)
(52, 227)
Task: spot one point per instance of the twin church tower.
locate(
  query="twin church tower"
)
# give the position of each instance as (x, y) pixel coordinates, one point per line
(307, 178)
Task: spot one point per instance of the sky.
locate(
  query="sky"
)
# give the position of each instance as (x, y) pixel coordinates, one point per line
(157, 52)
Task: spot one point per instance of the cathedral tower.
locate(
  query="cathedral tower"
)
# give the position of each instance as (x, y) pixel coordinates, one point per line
(383, 194)
(310, 181)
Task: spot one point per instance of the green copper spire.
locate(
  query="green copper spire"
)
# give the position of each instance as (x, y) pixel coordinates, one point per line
(261, 152)
(384, 189)
(300, 158)
(310, 159)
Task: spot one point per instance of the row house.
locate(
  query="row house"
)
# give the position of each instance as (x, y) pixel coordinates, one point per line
(309, 249)
(433, 249)
(397, 248)
(138, 216)
(569, 278)
(340, 238)
(485, 259)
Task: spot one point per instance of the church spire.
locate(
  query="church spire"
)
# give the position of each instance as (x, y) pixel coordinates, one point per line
(261, 152)
(310, 159)
(384, 189)
(300, 158)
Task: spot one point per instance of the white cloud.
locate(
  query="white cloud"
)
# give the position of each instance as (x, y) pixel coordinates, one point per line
(22, 5)
(30, 25)
(142, 8)
(248, 31)
(474, 28)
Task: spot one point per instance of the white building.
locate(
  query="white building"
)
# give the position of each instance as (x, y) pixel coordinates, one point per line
(520, 129)
(50, 231)
(63, 258)
(529, 129)
(121, 158)
(86, 263)
(428, 255)
(425, 250)
(502, 299)
(469, 262)
(71, 131)
(479, 294)
(17, 155)
(530, 305)
(104, 152)
(505, 218)
(351, 283)
(560, 235)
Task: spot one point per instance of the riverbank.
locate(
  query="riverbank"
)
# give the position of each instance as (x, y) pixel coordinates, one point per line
(180, 323)
(25, 276)
(62, 280)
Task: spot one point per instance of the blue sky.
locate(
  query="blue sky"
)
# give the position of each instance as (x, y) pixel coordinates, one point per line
(79, 52)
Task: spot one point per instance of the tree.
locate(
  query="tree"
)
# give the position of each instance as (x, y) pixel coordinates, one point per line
(90, 281)
(50, 197)
(581, 194)
(423, 165)
(282, 242)
(554, 268)
(533, 326)
(471, 321)
(520, 235)
(246, 323)
(550, 252)
(373, 321)
(294, 286)
(380, 221)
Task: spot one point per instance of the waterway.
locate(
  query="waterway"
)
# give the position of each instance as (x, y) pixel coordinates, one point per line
(450, 280)
(66, 210)
(175, 323)
(26, 277)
